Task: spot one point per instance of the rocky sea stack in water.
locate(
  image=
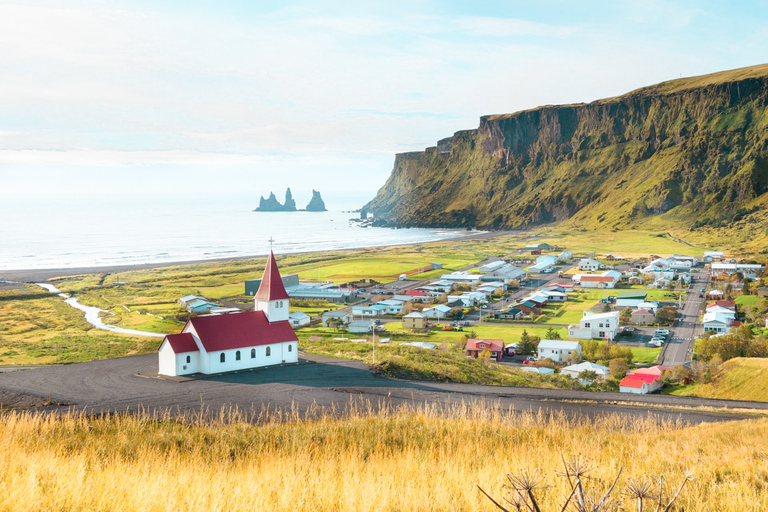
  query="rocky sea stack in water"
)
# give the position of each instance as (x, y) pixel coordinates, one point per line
(689, 153)
(271, 204)
(316, 204)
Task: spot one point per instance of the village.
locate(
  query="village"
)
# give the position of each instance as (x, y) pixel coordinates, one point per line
(594, 318)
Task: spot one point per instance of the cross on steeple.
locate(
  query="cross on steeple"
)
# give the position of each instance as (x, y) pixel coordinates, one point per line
(271, 241)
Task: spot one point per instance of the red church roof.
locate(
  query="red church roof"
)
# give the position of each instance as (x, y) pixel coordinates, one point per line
(271, 287)
(181, 343)
(238, 330)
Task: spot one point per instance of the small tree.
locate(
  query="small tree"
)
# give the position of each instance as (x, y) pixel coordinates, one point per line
(526, 345)
(552, 334)
(588, 375)
(625, 316)
(618, 367)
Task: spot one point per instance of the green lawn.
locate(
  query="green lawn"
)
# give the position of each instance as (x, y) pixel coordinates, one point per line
(747, 300)
(645, 355)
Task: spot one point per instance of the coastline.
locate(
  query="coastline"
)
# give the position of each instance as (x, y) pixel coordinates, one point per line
(44, 274)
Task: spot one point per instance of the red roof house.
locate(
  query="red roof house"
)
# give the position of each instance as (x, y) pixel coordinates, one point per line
(213, 344)
(640, 383)
(476, 346)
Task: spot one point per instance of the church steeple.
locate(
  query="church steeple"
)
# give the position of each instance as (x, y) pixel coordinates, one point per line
(272, 298)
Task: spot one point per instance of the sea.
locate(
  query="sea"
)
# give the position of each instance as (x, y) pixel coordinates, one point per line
(39, 231)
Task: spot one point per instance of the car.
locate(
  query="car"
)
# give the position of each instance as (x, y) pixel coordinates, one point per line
(664, 332)
(448, 327)
(529, 360)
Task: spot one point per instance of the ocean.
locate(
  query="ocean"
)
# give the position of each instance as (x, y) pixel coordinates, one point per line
(67, 231)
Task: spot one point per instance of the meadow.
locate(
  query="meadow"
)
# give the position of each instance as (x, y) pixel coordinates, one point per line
(412, 457)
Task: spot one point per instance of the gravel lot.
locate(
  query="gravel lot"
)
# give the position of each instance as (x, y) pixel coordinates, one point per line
(115, 385)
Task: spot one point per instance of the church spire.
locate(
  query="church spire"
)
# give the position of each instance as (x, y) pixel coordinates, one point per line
(271, 287)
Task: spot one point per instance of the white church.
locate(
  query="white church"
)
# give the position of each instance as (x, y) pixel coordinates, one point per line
(236, 341)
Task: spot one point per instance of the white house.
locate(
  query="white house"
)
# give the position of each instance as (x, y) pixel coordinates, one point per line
(554, 295)
(494, 265)
(574, 370)
(651, 307)
(640, 383)
(329, 318)
(565, 256)
(540, 268)
(394, 307)
(589, 264)
(710, 256)
(507, 273)
(438, 311)
(469, 298)
(559, 350)
(461, 277)
(372, 310)
(547, 258)
(605, 280)
(718, 321)
(596, 325)
(361, 326)
(299, 319)
(748, 270)
(237, 341)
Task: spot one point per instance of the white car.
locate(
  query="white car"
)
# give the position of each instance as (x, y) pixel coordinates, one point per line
(664, 332)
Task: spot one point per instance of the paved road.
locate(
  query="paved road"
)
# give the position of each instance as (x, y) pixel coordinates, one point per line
(685, 329)
(114, 385)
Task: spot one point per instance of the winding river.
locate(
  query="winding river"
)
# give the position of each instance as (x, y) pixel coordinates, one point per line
(92, 314)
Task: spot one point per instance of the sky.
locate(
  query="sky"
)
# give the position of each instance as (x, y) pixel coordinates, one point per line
(223, 97)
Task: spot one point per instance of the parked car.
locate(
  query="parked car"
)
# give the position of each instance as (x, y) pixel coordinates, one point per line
(663, 332)
(448, 327)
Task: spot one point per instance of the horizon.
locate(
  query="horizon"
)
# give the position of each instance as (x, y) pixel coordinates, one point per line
(144, 97)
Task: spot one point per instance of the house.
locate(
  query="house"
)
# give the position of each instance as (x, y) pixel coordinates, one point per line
(507, 274)
(613, 257)
(710, 256)
(715, 294)
(417, 294)
(565, 256)
(559, 350)
(635, 280)
(574, 370)
(439, 311)
(299, 319)
(461, 277)
(677, 261)
(237, 341)
(372, 310)
(468, 299)
(595, 325)
(361, 326)
(718, 321)
(199, 306)
(547, 258)
(394, 307)
(536, 252)
(508, 314)
(330, 317)
(642, 317)
(476, 346)
(630, 299)
(762, 292)
(554, 295)
(540, 268)
(640, 383)
(527, 307)
(490, 267)
(190, 298)
(589, 264)
(595, 281)
(414, 320)
(649, 306)
(657, 370)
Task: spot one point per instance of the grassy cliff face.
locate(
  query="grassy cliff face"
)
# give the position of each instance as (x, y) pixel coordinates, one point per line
(690, 152)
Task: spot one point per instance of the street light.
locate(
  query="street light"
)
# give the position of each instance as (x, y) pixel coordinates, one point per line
(373, 339)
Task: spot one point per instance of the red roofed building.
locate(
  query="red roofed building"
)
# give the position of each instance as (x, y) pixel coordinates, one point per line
(640, 383)
(596, 281)
(476, 346)
(237, 341)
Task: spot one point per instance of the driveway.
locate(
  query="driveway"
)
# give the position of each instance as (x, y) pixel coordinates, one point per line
(116, 385)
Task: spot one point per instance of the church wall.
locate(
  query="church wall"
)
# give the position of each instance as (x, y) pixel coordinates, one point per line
(170, 363)
(279, 353)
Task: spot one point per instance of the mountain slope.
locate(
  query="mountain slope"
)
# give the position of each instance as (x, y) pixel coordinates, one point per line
(689, 153)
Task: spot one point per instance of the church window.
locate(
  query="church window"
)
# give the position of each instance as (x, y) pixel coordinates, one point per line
(189, 359)
(222, 358)
(269, 351)
(253, 353)
(237, 355)
(290, 348)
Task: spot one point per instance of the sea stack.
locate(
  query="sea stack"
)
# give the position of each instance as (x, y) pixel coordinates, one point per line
(316, 204)
(271, 204)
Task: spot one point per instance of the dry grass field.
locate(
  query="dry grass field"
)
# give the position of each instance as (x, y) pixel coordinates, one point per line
(411, 459)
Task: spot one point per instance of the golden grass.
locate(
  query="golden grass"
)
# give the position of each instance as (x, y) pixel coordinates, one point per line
(740, 378)
(412, 458)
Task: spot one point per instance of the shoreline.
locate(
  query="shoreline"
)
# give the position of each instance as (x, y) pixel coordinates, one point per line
(35, 275)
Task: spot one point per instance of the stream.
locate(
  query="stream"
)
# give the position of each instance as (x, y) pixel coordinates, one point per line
(92, 314)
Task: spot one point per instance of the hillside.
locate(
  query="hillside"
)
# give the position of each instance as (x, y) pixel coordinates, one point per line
(689, 153)
(737, 379)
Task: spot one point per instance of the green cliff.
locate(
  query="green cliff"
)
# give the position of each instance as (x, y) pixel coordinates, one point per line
(685, 154)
